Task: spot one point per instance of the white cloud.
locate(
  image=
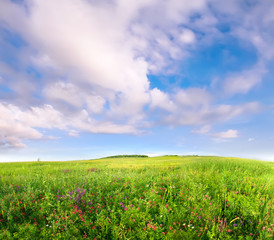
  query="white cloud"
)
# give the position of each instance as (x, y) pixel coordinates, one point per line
(64, 92)
(160, 99)
(74, 133)
(192, 97)
(18, 125)
(243, 82)
(68, 93)
(203, 130)
(95, 57)
(250, 139)
(187, 36)
(208, 115)
(12, 130)
(227, 134)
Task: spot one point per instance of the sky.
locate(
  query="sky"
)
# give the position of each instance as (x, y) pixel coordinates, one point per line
(82, 79)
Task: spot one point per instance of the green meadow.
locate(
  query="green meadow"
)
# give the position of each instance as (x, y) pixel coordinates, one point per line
(168, 197)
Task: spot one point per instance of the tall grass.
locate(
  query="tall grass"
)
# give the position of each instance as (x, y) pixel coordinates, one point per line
(168, 197)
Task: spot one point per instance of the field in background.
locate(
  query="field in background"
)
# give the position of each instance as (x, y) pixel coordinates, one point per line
(167, 197)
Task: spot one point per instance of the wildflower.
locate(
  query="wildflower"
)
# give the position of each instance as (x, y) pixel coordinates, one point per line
(269, 229)
(263, 227)
(228, 230)
(166, 205)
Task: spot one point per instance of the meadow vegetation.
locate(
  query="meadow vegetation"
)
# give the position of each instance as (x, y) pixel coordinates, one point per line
(169, 197)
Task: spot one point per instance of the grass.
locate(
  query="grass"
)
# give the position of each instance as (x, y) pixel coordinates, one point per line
(169, 197)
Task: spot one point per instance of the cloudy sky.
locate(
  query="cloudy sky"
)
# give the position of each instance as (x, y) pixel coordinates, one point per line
(82, 79)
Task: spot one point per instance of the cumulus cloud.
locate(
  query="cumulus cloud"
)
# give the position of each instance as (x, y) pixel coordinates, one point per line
(227, 134)
(187, 36)
(84, 65)
(243, 82)
(210, 115)
(12, 130)
(194, 106)
(18, 125)
(203, 130)
(162, 100)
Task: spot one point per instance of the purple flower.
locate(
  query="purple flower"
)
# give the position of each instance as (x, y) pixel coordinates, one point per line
(221, 227)
(235, 225)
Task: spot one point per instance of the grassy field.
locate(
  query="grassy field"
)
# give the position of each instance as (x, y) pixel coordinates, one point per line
(169, 197)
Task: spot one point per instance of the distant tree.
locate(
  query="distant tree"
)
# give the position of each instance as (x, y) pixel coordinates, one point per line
(128, 156)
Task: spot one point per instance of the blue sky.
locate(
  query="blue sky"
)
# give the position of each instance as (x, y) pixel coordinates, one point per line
(86, 79)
